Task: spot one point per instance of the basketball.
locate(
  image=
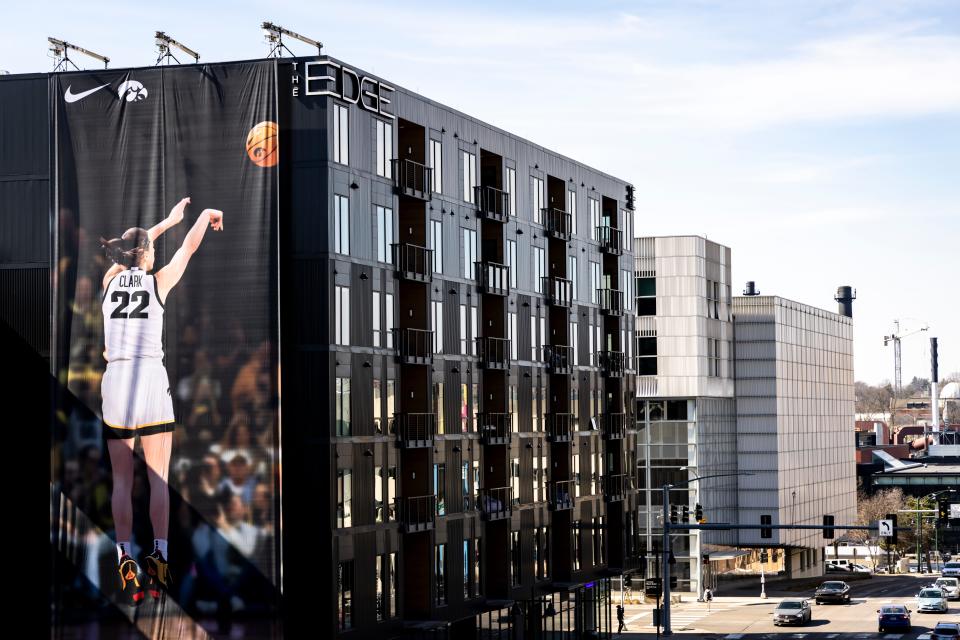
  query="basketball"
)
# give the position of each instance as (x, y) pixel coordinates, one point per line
(262, 144)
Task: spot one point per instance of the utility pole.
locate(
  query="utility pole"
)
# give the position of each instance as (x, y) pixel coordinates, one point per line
(895, 339)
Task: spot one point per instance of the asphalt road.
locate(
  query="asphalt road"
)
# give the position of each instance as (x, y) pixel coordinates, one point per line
(745, 617)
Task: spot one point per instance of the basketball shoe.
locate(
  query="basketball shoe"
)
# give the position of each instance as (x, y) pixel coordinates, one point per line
(158, 573)
(131, 589)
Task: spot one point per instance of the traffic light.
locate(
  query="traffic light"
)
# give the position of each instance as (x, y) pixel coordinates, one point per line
(698, 513)
(893, 518)
(764, 557)
(943, 512)
(673, 514)
(827, 522)
(765, 532)
(685, 514)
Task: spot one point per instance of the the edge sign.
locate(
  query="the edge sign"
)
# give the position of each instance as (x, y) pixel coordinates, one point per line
(328, 78)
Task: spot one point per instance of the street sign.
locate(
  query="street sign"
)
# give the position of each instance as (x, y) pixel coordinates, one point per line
(886, 528)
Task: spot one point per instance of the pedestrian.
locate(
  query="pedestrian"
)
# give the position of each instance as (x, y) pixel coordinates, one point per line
(708, 596)
(623, 625)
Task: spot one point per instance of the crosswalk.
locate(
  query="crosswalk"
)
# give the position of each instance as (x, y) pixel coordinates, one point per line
(681, 619)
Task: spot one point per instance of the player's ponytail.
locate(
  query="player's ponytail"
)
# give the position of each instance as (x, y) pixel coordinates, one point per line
(128, 249)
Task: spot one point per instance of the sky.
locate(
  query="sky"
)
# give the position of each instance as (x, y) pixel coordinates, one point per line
(819, 139)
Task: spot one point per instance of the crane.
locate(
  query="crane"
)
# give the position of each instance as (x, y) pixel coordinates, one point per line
(895, 339)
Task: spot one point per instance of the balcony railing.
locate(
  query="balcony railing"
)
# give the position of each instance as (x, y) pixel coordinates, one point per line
(492, 203)
(610, 239)
(414, 430)
(494, 428)
(559, 223)
(494, 353)
(414, 346)
(495, 504)
(611, 301)
(611, 363)
(493, 278)
(559, 427)
(412, 179)
(561, 495)
(559, 358)
(612, 426)
(559, 291)
(416, 513)
(616, 486)
(413, 262)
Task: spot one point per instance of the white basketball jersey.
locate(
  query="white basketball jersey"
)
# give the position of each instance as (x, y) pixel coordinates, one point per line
(132, 316)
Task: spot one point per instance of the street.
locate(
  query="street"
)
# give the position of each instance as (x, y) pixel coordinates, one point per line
(745, 617)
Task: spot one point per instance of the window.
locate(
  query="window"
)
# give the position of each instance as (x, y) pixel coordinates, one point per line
(344, 498)
(577, 552)
(626, 220)
(384, 218)
(592, 334)
(537, 402)
(436, 242)
(626, 278)
(713, 357)
(539, 268)
(465, 488)
(440, 488)
(515, 480)
(391, 493)
(512, 333)
(469, 176)
(536, 191)
(436, 162)
(533, 335)
(341, 224)
(437, 326)
(386, 581)
(576, 475)
(646, 296)
(594, 218)
(376, 319)
(572, 210)
(377, 405)
(575, 406)
(342, 408)
(388, 313)
(473, 330)
(470, 585)
(464, 408)
(575, 342)
(341, 134)
(572, 276)
(594, 282)
(510, 186)
(438, 405)
(345, 595)
(512, 262)
(384, 148)
(512, 408)
(463, 329)
(440, 569)
(599, 553)
(378, 486)
(515, 575)
(469, 253)
(341, 309)
(537, 470)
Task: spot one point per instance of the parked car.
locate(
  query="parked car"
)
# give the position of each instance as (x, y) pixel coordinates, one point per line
(792, 612)
(859, 568)
(951, 570)
(931, 599)
(945, 631)
(893, 616)
(832, 591)
(950, 586)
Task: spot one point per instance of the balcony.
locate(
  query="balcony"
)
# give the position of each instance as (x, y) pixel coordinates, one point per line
(414, 346)
(611, 301)
(559, 358)
(610, 239)
(616, 486)
(613, 426)
(412, 179)
(494, 428)
(611, 363)
(559, 427)
(559, 223)
(413, 262)
(494, 353)
(495, 504)
(416, 513)
(560, 495)
(414, 430)
(493, 278)
(492, 203)
(559, 291)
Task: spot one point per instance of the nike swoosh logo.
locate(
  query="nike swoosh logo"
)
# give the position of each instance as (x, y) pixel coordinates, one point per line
(73, 97)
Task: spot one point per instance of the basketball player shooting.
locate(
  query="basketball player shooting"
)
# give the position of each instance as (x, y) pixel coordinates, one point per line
(135, 386)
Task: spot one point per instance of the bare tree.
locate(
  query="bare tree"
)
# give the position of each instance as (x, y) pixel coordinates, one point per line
(873, 508)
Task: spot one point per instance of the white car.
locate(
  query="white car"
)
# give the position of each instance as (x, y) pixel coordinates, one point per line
(859, 568)
(951, 570)
(950, 586)
(931, 599)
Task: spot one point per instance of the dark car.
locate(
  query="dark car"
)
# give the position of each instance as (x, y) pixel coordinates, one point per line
(893, 616)
(833, 591)
(792, 612)
(945, 631)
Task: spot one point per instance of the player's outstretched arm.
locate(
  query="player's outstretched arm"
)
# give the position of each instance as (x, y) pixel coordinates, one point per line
(173, 219)
(169, 276)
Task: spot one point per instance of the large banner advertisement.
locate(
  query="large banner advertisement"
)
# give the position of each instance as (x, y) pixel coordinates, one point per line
(165, 457)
